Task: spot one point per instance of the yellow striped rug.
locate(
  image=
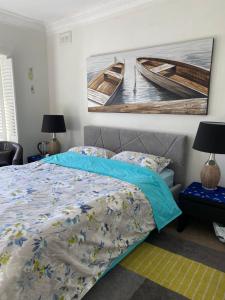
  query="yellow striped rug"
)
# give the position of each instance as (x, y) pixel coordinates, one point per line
(187, 277)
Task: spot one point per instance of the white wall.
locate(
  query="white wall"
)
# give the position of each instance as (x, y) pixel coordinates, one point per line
(160, 22)
(28, 49)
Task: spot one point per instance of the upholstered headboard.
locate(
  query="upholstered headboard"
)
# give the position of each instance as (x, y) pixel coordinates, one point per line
(158, 143)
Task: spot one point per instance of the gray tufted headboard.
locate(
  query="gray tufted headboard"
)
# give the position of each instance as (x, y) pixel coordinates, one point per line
(158, 143)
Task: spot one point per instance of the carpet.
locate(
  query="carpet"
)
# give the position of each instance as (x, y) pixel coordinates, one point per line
(165, 266)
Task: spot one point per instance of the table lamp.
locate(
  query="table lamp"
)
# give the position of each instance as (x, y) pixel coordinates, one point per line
(210, 138)
(53, 124)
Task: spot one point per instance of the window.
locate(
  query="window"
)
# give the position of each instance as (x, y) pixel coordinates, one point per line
(8, 122)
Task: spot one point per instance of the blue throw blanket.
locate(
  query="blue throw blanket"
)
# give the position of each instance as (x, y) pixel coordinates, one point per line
(150, 183)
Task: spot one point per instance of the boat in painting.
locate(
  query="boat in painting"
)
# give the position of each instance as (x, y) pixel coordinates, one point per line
(103, 88)
(185, 80)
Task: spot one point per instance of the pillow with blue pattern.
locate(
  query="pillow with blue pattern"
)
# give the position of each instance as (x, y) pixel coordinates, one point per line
(153, 162)
(93, 151)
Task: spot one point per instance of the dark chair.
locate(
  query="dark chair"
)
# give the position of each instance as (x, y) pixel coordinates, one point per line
(10, 154)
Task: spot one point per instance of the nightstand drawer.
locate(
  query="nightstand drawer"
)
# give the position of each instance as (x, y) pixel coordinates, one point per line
(200, 201)
(202, 210)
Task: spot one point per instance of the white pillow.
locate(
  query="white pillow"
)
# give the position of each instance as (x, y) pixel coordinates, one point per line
(92, 151)
(153, 162)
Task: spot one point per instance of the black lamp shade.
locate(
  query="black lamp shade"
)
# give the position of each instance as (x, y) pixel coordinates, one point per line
(210, 137)
(53, 123)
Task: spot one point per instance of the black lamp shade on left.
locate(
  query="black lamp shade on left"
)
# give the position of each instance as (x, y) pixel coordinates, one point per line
(53, 123)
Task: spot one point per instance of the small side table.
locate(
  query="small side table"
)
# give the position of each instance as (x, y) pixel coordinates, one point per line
(201, 203)
(34, 158)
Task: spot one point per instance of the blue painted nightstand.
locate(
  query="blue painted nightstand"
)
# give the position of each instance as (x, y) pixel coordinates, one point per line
(201, 203)
(34, 158)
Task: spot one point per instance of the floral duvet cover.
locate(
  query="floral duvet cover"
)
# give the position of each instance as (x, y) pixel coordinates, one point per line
(61, 228)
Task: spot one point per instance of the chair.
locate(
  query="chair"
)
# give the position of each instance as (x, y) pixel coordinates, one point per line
(10, 154)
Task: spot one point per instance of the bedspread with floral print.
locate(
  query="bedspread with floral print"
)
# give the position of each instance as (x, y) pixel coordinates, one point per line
(61, 228)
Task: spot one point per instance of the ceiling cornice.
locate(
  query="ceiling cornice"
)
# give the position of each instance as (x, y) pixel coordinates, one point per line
(100, 13)
(9, 18)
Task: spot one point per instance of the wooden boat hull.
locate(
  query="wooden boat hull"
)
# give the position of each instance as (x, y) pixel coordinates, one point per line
(103, 88)
(185, 80)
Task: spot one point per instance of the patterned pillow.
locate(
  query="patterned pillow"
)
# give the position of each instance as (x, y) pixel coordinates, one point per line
(93, 151)
(156, 163)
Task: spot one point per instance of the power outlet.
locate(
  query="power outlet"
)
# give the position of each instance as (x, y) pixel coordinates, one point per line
(65, 37)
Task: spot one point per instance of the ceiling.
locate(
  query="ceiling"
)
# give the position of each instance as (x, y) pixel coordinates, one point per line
(50, 11)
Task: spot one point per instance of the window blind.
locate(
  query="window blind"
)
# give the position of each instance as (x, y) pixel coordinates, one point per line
(8, 121)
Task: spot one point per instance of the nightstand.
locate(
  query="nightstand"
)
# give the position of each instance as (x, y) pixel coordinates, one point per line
(34, 158)
(196, 201)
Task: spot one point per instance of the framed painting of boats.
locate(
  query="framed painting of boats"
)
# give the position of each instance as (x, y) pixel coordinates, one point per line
(169, 79)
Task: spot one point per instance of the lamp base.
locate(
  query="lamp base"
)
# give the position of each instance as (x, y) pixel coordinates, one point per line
(53, 146)
(210, 174)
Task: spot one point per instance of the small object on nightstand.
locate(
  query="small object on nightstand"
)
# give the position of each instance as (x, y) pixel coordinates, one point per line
(201, 203)
(43, 147)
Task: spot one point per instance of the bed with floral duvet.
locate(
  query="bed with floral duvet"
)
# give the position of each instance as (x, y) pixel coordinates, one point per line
(66, 220)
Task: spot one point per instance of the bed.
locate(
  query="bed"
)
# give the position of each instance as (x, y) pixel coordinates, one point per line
(63, 226)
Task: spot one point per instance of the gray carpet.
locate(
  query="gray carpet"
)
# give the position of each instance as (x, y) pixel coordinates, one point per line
(121, 284)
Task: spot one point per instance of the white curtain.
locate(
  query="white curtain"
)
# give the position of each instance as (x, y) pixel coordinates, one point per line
(8, 121)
